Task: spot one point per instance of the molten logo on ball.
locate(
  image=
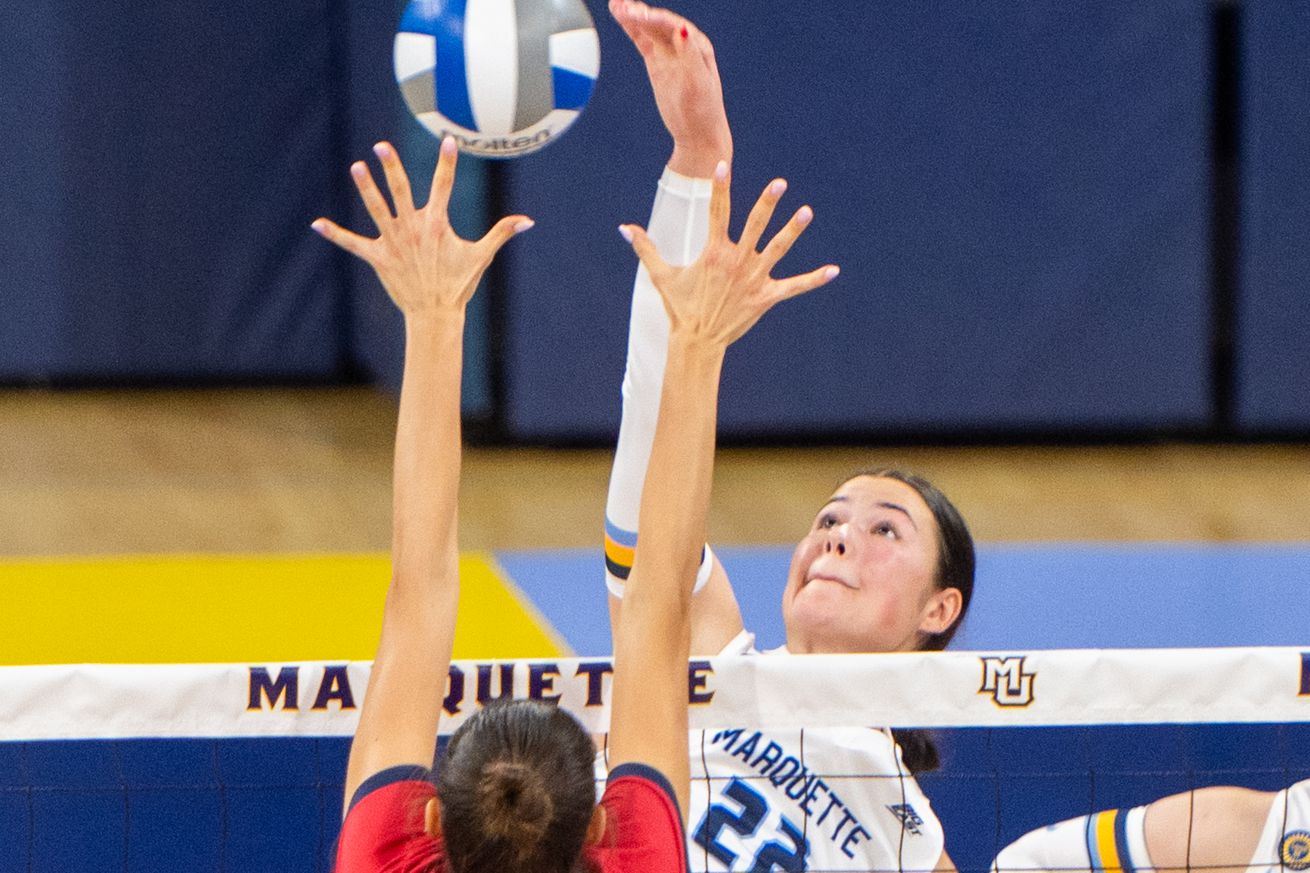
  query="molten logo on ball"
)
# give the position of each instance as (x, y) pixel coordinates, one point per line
(504, 77)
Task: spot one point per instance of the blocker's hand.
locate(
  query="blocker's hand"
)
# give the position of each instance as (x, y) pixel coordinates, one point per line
(685, 78)
(728, 288)
(423, 264)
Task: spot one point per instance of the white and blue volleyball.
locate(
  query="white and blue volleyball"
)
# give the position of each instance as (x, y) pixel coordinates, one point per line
(504, 77)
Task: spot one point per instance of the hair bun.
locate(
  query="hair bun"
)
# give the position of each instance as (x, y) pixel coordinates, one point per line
(514, 801)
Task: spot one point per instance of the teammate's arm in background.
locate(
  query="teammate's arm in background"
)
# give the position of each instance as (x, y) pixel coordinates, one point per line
(430, 273)
(1215, 829)
(683, 74)
(709, 305)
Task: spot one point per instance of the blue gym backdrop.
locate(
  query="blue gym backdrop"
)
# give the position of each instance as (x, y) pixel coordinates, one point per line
(1052, 219)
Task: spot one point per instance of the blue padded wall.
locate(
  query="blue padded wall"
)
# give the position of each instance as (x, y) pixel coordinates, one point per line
(274, 804)
(167, 162)
(1273, 316)
(376, 328)
(267, 804)
(1017, 196)
(164, 162)
(29, 225)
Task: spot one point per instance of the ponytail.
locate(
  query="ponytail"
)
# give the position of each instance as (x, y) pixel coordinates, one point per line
(517, 790)
(514, 804)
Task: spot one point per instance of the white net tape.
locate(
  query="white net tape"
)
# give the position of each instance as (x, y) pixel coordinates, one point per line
(946, 689)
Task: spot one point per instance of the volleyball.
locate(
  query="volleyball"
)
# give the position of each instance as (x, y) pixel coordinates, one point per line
(503, 77)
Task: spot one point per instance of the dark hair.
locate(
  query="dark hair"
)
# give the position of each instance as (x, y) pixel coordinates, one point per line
(955, 569)
(517, 790)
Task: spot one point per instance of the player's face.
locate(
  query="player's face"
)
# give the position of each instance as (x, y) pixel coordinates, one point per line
(862, 580)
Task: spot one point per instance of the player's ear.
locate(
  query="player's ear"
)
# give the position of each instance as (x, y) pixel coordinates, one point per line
(941, 611)
(596, 829)
(432, 817)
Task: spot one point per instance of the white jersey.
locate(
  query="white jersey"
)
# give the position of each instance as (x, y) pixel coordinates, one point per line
(1285, 841)
(821, 799)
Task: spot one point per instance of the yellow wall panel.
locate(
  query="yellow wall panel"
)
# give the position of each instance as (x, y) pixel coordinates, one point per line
(199, 609)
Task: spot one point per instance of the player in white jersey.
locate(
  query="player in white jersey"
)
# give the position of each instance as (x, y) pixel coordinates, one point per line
(1220, 829)
(886, 566)
(821, 799)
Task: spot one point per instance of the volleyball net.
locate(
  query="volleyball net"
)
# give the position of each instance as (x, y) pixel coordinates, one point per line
(240, 767)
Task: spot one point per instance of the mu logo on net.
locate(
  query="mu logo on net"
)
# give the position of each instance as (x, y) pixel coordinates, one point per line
(1006, 680)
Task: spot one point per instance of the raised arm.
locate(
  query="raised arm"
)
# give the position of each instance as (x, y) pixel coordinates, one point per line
(684, 77)
(430, 273)
(709, 305)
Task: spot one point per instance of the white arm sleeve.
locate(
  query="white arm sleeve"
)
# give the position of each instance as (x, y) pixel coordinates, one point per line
(679, 224)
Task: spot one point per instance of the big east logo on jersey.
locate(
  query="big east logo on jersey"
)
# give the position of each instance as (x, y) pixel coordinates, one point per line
(1005, 680)
(1294, 850)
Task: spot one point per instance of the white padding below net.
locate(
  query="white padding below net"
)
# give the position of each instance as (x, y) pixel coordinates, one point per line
(934, 690)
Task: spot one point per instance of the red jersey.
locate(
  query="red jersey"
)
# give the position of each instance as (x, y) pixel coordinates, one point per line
(383, 831)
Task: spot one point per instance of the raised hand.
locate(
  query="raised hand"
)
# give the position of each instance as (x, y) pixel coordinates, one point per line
(729, 287)
(685, 78)
(423, 264)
